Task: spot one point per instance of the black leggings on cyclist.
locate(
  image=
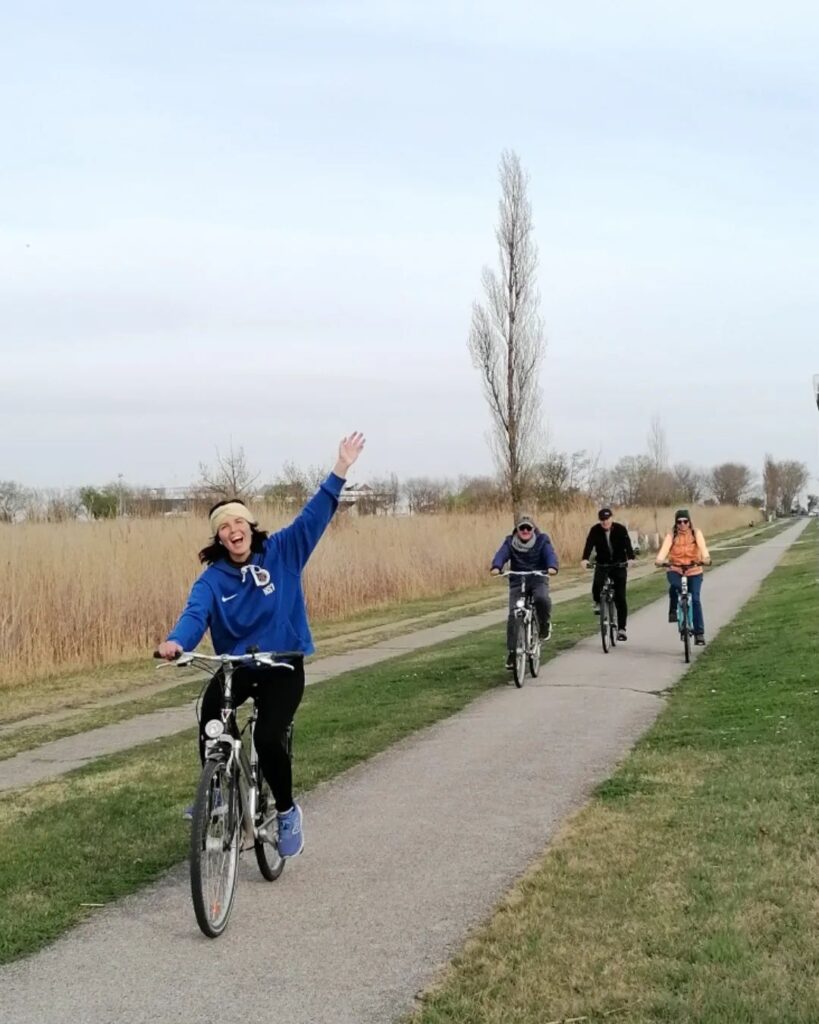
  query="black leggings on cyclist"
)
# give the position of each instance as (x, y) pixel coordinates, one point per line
(618, 578)
(278, 693)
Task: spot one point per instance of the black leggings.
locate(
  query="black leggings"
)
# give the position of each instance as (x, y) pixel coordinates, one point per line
(278, 693)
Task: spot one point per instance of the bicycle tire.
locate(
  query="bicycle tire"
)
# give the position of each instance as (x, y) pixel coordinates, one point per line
(686, 632)
(271, 863)
(519, 662)
(612, 623)
(214, 850)
(534, 647)
(604, 625)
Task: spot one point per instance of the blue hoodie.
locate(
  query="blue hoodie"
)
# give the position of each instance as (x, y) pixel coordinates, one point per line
(540, 556)
(261, 603)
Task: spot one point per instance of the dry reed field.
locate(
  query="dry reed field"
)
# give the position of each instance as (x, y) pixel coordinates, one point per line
(79, 594)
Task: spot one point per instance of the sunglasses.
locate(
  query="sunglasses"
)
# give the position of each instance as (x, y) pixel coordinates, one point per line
(683, 520)
(525, 529)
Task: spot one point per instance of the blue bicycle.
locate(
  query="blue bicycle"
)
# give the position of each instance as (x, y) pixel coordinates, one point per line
(685, 611)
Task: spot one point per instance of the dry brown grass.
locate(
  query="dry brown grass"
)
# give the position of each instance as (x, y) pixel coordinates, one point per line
(77, 595)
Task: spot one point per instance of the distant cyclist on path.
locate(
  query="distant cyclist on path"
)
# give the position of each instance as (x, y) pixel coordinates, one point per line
(527, 549)
(611, 543)
(685, 545)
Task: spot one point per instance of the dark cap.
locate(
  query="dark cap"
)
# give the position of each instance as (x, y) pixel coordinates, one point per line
(682, 513)
(604, 513)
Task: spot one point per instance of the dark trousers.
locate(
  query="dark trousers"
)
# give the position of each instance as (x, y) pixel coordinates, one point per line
(278, 693)
(538, 586)
(694, 588)
(618, 578)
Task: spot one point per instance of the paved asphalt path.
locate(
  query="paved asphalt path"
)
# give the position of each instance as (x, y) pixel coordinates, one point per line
(404, 854)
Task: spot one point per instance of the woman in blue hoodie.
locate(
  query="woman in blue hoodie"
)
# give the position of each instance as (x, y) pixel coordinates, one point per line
(250, 596)
(527, 549)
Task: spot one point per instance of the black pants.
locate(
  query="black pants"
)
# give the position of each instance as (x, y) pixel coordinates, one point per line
(278, 693)
(538, 586)
(618, 578)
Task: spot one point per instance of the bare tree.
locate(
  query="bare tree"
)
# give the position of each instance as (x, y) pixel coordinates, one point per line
(730, 483)
(13, 499)
(426, 495)
(771, 484)
(506, 338)
(658, 460)
(630, 478)
(793, 476)
(230, 477)
(690, 483)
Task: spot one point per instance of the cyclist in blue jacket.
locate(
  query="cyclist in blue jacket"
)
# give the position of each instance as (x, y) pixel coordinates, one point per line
(527, 549)
(250, 596)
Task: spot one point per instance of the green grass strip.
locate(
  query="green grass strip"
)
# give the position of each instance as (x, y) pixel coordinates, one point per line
(687, 891)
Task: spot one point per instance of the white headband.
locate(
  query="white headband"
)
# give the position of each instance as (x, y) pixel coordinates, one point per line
(233, 509)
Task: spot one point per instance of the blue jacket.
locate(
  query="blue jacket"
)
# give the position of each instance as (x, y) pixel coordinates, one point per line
(541, 555)
(260, 604)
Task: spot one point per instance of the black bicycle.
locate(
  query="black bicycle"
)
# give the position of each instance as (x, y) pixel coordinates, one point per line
(609, 625)
(527, 630)
(234, 808)
(685, 611)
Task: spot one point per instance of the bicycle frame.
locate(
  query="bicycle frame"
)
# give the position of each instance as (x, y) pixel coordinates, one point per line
(609, 624)
(685, 611)
(524, 612)
(224, 739)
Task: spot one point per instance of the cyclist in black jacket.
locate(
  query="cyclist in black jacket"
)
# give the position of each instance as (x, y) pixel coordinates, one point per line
(611, 544)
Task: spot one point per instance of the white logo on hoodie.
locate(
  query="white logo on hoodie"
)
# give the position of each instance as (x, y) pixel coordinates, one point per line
(261, 577)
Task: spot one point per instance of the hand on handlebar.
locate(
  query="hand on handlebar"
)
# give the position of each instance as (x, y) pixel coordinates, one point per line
(552, 572)
(494, 571)
(584, 563)
(169, 650)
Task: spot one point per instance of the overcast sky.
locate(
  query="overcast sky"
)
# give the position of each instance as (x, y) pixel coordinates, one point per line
(266, 222)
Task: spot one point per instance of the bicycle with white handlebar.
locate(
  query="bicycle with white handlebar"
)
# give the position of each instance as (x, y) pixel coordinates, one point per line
(234, 808)
(527, 630)
(685, 612)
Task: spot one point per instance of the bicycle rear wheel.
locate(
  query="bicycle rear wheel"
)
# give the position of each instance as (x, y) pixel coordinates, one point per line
(519, 663)
(534, 647)
(214, 851)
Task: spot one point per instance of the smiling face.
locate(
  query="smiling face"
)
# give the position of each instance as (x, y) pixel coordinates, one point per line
(235, 536)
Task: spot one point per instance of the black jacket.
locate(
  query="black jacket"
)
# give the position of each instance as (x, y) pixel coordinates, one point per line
(621, 549)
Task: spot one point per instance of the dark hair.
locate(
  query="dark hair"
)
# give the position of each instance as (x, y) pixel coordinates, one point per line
(216, 551)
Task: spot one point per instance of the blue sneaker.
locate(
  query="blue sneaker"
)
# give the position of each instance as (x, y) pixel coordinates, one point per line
(291, 836)
(187, 814)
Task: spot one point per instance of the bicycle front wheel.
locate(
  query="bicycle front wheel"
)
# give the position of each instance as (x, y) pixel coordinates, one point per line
(686, 632)
(214, 853)
(612, 624)
(604, 625)
(519, 663)
(534, 647)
